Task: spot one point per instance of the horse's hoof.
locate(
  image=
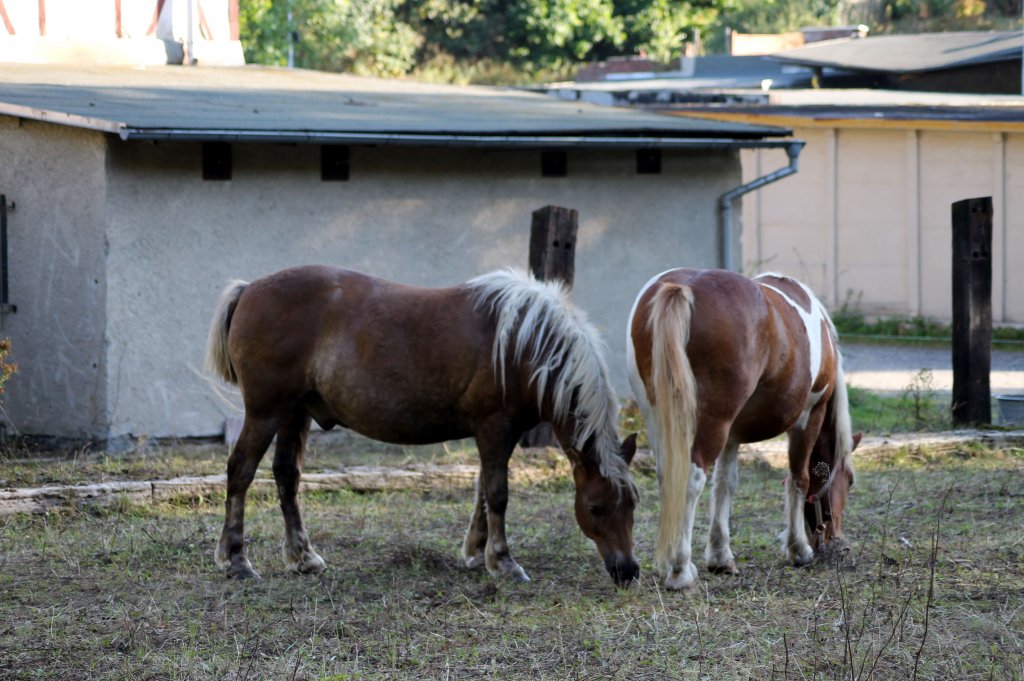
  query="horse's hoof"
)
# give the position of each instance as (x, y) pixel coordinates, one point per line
(518, 575)
(474, 562)
(242, 570)
(801, 557)
(513, 572)
(682, 579)
(311, 564)
(724, 569)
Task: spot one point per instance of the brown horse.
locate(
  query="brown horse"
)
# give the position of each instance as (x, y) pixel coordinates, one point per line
(489, 358)
(717, 359)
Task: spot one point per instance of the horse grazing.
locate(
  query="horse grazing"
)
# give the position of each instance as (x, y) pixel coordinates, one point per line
(489, 358)
(715, 360)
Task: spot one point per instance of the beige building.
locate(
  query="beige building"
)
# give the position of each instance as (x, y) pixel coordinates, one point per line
(137, 193)
(867, 220)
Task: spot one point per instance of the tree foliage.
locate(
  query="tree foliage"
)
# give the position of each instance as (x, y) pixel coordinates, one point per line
(498, 37)
(360, 36)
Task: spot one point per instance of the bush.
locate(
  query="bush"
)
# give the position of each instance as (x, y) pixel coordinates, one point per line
(6, 368)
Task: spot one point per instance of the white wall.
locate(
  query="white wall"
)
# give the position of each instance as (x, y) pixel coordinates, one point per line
(421, 216)
(56, 178)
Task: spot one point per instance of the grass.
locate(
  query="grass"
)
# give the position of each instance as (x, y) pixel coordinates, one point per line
(853, 325)
(131, 592)
(916, 408)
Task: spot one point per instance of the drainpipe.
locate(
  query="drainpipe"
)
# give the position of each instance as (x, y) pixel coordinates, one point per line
(190, 46)
(726, 199)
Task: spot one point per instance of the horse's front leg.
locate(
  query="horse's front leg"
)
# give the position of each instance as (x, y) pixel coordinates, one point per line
(475, 545)
(795, 541)
(299, 555)
(245, 457)
(495, 444)
(718, 554)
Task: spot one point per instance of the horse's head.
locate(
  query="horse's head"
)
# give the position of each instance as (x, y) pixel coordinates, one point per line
(829, 488)
(604, 511)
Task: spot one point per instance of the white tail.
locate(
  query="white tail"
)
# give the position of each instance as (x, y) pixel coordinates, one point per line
(843, 425)
(217, 359)
(673, 398)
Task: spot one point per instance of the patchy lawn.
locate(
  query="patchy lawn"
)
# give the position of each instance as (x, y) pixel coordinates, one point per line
(933, 587)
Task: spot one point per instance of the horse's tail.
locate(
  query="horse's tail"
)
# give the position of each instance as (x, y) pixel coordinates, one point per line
(841, 416)
(674, 393)
(217, 359)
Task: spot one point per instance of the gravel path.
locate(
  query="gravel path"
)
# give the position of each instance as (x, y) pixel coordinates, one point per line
(886, 367)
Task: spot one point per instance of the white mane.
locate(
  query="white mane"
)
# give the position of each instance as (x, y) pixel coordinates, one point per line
(536, 320)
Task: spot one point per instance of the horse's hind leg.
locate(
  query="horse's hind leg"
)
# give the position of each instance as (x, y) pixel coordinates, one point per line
(299, 556)
(245, 457)
(475, 544)
(724, 480)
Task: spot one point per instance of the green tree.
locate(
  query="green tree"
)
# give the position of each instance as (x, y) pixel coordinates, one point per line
(776, 16)
(360, 36)
(549, 32)
(659, 28)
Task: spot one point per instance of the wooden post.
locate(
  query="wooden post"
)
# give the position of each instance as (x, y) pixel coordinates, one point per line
(552, 258)
(972, 311)
(553, 244)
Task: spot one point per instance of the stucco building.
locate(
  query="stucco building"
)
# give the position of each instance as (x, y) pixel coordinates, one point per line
(137, 193)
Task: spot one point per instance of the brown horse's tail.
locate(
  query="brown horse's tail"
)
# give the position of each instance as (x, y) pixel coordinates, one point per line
(674, 393)
(217, 359)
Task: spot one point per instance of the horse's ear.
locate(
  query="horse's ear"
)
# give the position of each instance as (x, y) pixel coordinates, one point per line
(628, 448)
(856, 440)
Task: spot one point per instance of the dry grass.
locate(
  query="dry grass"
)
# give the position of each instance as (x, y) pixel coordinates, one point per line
(933, 587)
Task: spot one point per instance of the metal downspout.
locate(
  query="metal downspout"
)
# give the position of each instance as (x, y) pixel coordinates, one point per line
(725, 200)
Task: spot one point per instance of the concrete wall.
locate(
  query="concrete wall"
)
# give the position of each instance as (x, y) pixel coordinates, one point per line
(421, 216)
(56, 178)
(866, 222)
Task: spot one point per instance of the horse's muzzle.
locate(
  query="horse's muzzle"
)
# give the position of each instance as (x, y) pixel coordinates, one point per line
(623, 568)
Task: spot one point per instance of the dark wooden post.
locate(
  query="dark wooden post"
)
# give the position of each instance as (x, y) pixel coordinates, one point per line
(552, 258)
(972, 311)
(553, 244)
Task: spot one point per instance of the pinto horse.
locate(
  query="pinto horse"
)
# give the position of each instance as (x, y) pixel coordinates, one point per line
(489, 358)
(715, 360)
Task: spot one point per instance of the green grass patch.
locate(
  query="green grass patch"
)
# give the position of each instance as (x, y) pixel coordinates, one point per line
(852, 325)
(131, 592)
(916, 409)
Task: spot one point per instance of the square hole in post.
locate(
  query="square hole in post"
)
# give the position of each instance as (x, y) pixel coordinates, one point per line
(648, 161)
(216, 161)
(334, 163)
(554, 164)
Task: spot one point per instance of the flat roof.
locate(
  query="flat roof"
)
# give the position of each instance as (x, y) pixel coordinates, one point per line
(257, 103)
(912, 53)
(864, 109)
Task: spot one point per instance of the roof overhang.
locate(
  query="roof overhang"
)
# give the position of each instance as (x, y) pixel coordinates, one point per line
(450, 140)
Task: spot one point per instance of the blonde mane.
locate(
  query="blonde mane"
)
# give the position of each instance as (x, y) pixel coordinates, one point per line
(537, 323)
